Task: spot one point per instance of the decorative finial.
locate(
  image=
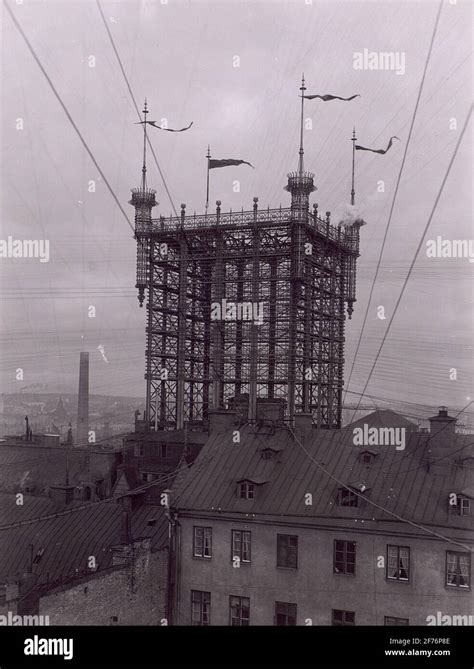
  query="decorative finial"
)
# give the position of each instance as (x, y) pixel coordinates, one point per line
(145, 112)
(353, 140)
(301, 151)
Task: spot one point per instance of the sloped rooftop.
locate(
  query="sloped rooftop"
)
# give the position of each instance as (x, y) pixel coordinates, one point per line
(396, 480)
(68, 540)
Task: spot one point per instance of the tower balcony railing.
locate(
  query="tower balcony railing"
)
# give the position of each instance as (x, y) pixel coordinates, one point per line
(338, 234)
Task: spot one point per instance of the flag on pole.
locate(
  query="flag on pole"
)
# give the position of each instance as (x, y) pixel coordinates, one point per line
(326, 98)
(153, 123)
(227, 162)
(381, 151)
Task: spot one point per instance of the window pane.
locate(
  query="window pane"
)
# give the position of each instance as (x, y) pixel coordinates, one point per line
(198, 541)
(464, 571)
(404, 563)
(285, 613)
(246, 547)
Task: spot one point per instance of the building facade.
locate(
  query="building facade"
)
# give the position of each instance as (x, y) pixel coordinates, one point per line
(305, 528)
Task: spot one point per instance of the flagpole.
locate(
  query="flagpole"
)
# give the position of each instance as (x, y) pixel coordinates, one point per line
(353, 140)
(301, 152)
(208, 156)
(145, 112)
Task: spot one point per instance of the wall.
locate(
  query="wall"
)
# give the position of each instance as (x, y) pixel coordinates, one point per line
(313, 586)
(136, 596)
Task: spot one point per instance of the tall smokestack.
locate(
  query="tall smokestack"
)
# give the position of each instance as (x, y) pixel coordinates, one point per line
(83, 401)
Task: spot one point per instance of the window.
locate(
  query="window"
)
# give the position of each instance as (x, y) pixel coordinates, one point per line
(394, 622)
(202, 542)
(463, 505)
(343, 617)
(241, 545)
(139, 450)
(458, 569)
(367, 457)
(398, 563)
(346, 497)
(344, 557)
(285, 613)
(163, 450)
(147, 477)
(200, 607)
(287, 550)
(246, 490)
(239, 611)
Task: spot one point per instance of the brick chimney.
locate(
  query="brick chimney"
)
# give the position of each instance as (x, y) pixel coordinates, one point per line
(83, 401)
(442, 434)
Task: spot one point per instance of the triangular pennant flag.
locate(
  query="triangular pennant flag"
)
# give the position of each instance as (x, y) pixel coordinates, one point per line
(153, 123)
(326, 98)
(381, 151)
(226, 162)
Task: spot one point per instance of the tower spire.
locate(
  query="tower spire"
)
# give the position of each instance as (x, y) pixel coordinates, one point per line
(301, 151)
(353, 140)
(145, 112)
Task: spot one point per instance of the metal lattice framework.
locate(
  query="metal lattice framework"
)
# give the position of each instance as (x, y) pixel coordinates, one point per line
(249, 302)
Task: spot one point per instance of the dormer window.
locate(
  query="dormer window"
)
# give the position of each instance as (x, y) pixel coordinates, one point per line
(460, 503)
(463, 505)
(246, 490)
(346, 497)
(270, 453)
(367, 457)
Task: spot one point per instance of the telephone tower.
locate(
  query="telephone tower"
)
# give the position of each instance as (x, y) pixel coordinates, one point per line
(290, 265)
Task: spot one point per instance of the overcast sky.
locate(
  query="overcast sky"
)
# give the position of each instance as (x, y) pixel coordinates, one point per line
(182, 56)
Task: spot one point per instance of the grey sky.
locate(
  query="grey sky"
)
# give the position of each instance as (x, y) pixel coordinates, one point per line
(181, 55)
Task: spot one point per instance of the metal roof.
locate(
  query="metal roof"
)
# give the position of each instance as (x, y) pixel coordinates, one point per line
(69, 539)
(397, 480)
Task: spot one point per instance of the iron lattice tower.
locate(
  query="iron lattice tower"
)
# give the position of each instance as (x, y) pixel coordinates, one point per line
(300, 266)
